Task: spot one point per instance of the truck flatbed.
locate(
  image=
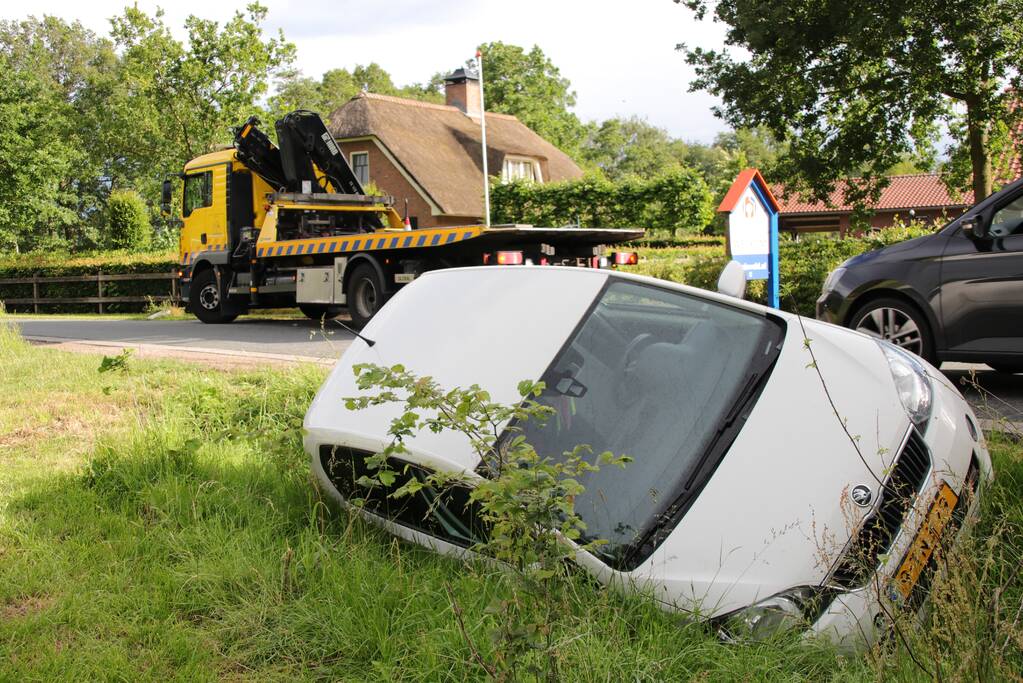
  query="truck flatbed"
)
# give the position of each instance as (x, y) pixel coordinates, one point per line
(495, 235)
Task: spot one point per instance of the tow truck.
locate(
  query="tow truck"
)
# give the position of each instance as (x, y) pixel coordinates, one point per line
(281, 225)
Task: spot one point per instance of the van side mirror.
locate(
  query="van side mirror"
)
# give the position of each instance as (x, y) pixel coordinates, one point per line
(732, 281)
(165, 199)
(975, 226)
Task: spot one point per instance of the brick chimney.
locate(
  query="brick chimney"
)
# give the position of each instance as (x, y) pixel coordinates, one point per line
(462, 90)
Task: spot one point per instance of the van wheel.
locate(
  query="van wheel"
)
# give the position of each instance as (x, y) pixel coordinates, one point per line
(365, 294)
(897, 322)
(206, 301)
(319, 311)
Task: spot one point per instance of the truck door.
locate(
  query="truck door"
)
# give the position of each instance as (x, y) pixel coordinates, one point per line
(982, 285)
(204, 210)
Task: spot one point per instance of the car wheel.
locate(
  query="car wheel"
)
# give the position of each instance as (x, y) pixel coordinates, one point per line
(319, 311)
(365, 294)
(1008, 368)
(897, 322)
(206, 301)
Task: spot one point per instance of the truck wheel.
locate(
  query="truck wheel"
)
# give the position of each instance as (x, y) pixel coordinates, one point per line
(319, 311)
(206, 300)
(365, 294)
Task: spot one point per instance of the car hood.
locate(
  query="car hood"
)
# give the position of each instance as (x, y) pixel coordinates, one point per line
(776, 513)
(887, 252)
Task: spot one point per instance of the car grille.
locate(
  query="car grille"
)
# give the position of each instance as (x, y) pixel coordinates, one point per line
(878, 530)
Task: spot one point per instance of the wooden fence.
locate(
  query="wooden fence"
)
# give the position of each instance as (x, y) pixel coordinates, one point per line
(100, 299)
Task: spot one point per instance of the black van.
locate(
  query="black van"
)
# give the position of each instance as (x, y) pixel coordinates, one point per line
(954, 295)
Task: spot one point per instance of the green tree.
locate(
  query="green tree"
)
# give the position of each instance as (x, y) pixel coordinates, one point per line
(529, 86)
(337, 86)
(852, 87)
(67, 70)
(198, 93)
(623, 147)
(129, 221)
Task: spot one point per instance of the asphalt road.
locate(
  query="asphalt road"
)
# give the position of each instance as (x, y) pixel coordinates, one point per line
(301, 338)
(993, 395)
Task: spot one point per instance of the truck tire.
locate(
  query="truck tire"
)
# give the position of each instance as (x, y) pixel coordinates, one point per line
(319, 311)
(207, 301)
(365, 294)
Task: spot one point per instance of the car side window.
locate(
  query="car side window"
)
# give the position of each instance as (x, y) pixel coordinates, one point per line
(198, 192)
(449, 515)
(1008, 220)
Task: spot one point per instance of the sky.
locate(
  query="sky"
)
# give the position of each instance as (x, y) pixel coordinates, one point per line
(619, 56)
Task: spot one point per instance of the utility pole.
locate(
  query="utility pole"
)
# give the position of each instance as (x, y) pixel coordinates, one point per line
(483, 127)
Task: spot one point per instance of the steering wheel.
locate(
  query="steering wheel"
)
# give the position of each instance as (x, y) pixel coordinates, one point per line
(627, 389)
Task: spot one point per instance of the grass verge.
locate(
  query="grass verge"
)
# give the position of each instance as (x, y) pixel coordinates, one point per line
(157, 522)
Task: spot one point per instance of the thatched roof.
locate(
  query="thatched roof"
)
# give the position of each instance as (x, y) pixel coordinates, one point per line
(440, 147)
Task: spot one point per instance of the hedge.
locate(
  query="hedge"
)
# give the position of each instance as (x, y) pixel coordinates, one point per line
(677, 201)
(803, 264)
(46, 264)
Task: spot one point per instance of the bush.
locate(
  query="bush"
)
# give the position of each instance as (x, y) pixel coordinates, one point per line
(129, 220)
(57, 264)
(678, 201)
(803, 265)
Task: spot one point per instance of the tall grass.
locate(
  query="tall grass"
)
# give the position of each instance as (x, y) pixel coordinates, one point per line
(189, 543)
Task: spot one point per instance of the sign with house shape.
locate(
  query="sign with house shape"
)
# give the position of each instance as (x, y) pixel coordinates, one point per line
(752, 235)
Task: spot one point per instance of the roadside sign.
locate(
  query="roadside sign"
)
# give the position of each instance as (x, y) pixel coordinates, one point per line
(752, 236)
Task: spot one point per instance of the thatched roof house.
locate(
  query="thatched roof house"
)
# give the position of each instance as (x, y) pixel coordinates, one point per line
(431, 154)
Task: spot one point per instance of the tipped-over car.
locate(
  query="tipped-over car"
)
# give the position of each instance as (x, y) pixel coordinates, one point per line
(786, 473)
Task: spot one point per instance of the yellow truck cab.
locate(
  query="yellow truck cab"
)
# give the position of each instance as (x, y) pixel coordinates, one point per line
(289, 225)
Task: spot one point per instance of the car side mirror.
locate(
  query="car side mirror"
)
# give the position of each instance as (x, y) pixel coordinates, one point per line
(732, 281)
(976, 227)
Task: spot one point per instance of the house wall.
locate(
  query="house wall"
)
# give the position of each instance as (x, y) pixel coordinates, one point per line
(833, 221)
(391, 181)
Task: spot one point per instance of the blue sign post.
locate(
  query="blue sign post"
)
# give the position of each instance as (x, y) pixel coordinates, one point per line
(753, 229)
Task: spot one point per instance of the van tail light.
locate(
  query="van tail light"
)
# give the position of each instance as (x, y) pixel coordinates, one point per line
(625, 258)
(509, 258)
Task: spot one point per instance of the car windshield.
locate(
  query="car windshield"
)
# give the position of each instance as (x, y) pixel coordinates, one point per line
(653, 374)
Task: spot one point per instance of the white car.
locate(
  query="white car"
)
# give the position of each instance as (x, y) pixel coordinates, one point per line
(787, 473)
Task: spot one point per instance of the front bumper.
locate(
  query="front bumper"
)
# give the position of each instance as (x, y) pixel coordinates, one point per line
(831, 307)
(859, 617)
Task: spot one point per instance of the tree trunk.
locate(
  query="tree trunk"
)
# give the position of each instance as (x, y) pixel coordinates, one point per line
(980, 159)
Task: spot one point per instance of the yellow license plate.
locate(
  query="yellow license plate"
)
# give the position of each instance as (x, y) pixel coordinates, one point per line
(926, 541)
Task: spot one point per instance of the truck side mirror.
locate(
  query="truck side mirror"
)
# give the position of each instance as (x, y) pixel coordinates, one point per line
(975, 227)
(165, 199)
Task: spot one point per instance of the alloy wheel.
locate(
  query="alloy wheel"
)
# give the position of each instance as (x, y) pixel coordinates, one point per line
(892, 325)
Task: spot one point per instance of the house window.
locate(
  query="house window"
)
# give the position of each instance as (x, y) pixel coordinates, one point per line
(521, 168)
(360, 166)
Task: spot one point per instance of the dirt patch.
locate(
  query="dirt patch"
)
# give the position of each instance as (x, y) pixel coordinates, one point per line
(22, 607)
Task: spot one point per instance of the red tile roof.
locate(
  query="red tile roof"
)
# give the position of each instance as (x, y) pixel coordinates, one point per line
(917, 191)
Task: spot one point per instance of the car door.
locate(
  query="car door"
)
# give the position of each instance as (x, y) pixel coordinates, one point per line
(982, 284)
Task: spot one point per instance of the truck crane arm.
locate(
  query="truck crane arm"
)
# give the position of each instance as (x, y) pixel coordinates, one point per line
(257, 152)
(305, 141)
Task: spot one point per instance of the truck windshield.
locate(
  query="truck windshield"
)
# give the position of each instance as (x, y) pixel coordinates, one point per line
(656, 375)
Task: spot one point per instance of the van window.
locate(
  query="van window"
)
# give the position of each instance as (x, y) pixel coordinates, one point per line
(198, 192)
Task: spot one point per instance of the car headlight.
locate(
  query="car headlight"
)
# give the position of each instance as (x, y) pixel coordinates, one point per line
(911, 382)
(832, 279)
(796, 608)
